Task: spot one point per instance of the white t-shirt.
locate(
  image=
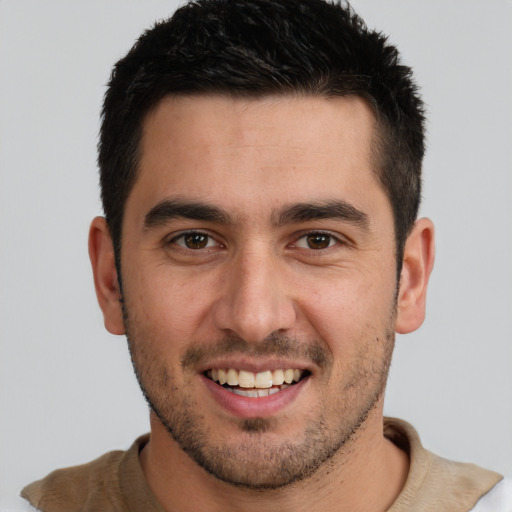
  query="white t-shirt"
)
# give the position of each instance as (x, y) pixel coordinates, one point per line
(498, 499)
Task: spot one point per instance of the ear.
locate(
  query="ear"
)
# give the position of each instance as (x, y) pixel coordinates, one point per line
(418, 261)
(101, 253)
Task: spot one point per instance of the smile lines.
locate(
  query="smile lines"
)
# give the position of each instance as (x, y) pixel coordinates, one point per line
(254, 385)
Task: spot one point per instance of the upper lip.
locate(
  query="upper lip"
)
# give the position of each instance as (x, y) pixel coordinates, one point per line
(254, 365)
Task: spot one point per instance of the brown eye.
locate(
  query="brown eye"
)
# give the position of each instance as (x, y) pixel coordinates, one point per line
(318, 241)
(195, 240)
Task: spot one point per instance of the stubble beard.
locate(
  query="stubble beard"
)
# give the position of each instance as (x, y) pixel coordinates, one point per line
(260, 461)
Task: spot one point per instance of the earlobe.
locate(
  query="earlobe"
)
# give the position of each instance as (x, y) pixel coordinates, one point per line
(101, 254)
(418, 261)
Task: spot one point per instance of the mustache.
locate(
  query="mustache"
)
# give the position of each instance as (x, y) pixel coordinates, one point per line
(276, 344)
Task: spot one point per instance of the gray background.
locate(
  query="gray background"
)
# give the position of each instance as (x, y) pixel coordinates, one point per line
(67, 392)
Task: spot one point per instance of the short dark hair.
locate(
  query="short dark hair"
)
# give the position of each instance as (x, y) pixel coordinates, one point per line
(254, 48)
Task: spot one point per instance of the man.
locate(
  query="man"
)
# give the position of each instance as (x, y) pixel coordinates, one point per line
(260, 169)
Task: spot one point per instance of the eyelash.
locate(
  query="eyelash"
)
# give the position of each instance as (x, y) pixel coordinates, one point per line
(184, 235)
(331, 240)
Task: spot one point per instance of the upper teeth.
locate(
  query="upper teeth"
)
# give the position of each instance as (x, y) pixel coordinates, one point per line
(260, 380)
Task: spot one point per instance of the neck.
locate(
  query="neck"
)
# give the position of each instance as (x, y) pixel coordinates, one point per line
(367, 474)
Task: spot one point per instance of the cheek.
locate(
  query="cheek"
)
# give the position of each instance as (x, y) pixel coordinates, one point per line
(347, 311)
(166, 308)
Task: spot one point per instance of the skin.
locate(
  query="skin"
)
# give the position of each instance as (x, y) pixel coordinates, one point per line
(264, 275)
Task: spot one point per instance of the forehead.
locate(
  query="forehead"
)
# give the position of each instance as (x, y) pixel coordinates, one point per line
(302, 122)
(248, 150)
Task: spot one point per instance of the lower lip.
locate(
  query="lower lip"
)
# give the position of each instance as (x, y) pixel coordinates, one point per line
(258, 407)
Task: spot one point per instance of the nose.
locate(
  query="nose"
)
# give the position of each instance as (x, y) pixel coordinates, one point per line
(254, 302)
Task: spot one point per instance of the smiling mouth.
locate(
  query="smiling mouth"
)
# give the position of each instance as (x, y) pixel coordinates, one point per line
(254, 385)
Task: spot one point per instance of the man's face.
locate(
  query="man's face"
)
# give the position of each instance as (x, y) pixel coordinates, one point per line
(257, 245)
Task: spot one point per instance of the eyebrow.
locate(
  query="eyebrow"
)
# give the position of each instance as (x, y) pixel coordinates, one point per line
(335, 209)
(169, 209)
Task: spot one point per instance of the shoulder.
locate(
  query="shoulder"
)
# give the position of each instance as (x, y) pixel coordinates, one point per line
(92, 486)
(68, 488)
(436, 483)
(498, 499)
